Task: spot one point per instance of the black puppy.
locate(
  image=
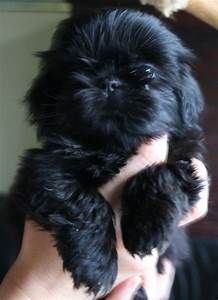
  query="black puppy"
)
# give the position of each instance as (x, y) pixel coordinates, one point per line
(107, 84)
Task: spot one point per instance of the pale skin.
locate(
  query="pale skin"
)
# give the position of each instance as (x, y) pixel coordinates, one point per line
(206, 10)
(38, 274)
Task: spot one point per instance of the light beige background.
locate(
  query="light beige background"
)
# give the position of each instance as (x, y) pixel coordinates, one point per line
(21, 34)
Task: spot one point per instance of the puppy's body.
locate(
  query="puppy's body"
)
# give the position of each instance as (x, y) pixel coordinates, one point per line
(108, 84)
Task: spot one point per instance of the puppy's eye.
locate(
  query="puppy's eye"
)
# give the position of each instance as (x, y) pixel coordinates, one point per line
(144, 74)
(149, 73)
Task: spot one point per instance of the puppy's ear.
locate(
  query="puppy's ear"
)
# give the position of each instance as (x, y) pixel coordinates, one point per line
(42, 96)
(45, 92)
(189, 96)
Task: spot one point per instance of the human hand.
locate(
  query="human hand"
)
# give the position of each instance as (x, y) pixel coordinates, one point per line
(129, 266)
(128, 288)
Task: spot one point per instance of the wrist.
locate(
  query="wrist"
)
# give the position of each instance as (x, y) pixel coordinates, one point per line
(22, 284)
(10, 288)
(38, 271)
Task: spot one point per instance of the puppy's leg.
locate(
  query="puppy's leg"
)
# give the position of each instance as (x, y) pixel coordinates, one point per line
(85, 238)
(79, 218)
(153, 203)
(189, 145)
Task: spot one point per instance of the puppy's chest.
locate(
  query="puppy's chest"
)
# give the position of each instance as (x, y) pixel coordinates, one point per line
(97, 169)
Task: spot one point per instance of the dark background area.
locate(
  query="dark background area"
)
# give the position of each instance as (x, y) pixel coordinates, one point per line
(203, 39)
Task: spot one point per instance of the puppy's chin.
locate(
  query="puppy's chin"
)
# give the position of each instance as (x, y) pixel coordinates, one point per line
(114, 101)
(119, 131)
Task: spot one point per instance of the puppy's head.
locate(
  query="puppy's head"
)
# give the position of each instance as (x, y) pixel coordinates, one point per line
(117, 75)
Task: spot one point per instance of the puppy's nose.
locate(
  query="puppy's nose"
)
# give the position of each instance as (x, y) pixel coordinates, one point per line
(112, 85)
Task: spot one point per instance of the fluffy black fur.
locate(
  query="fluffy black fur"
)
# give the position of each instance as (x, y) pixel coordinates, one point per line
(107, 84)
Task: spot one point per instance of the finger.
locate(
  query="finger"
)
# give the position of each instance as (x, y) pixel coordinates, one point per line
(126, 289)
(149, 275)
(155, 151)
(201, 208)
(149, 261)
(165, 280)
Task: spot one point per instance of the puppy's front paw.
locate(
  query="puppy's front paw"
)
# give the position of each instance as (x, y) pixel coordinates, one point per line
(89, 254)
(153, 203)
(190, 183)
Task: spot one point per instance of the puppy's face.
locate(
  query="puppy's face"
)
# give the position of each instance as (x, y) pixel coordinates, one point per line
(119, 74)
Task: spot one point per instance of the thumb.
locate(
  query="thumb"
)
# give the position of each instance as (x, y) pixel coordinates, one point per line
(126, 290)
